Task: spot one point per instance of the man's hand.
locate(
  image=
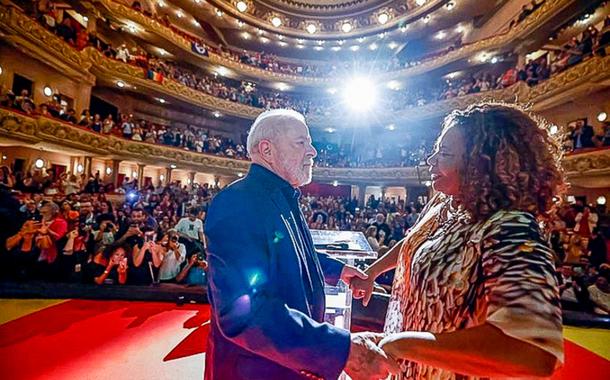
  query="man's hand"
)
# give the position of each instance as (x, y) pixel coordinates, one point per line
(366, 360)
(350, 273)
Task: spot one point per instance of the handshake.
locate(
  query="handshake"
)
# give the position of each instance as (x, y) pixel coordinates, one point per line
(367, 360)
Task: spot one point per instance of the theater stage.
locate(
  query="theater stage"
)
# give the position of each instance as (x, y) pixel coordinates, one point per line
(86, 339)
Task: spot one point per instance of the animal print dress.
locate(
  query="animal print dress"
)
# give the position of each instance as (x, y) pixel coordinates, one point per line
(453, 274)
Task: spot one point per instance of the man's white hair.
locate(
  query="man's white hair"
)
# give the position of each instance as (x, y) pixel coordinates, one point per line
(269, 125)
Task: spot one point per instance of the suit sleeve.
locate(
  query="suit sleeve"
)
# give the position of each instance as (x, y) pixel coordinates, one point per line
(245, 304)
(331, 268)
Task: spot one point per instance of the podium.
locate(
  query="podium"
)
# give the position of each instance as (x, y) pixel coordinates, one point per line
(347, 246)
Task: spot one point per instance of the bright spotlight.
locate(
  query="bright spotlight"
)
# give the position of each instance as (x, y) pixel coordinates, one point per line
(360, 94)
(311, 28)
(602, 116)
(346, 27)
(276, 21)
(382, 18)
(242, 6)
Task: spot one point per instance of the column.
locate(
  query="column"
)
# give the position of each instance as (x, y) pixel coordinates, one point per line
(383, 191)
(73, 164)
(361, 194)
(168, 175)
(87, 166)
(192, 179)
(141, 176)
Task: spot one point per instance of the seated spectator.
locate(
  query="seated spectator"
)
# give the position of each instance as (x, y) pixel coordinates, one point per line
(70, 116)
(599, 293)
(50, 238)
(371, 237)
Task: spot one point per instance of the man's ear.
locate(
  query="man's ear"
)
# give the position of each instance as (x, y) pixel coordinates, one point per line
(265, 150)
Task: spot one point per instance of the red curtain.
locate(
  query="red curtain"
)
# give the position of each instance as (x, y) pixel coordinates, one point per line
(324, 190)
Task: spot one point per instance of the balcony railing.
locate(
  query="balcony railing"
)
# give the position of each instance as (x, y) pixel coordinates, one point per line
(545, 13)
(581, 167)
(21, 26)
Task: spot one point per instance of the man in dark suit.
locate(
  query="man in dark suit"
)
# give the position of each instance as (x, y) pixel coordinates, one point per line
(266, 281)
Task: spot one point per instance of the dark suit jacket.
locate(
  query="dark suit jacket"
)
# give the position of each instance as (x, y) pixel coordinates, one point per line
(266, 287)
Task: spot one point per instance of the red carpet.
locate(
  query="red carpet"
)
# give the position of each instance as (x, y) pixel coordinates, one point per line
(82, 339)
(117, 340)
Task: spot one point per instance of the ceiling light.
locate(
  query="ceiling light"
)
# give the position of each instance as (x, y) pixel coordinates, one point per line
(336, 48)
(86, 19)
(0, 70)
(240, 174)
(300, 47)
(382, 35)
(282, 86)
(494, 60)
(245, 35)
(361, 39)
(459, 29)
(134, 174)
(47, 91)
(195, 22)
(392, 45)
(428, 183)
(319, 42)
(393, 85)
(242, 6)
(216, 114)
(383, 17)
(420, 2)
(483, 57)
(120, 84)
(359, 94)
(108, 170)
(218, 13)
(346, 27)
(318, 48)
(311, 28)
(260, 32)
(404, 28)
(264, 40)
(330, 130)
(39, 163)
(172, 166)
(340, 42)
(373, 46)
(554, 129)
(222, 71)
(280, 37)
(161, 4)
(332, 90)
(161, 177)
(80, 168)
(354, 48)
(282, 44)
(179, 14)
(276, 21)
(450, 5)
(335, 183)
(426, 19)
(440, 35)
(601, 200)
(602, 116)
(240, 24)
(161, 100)
(390, 127)
(454, 74)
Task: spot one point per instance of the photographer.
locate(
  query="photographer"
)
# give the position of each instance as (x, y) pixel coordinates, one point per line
(194, 272)
(174, 254)
(111, 265)
(104, 235)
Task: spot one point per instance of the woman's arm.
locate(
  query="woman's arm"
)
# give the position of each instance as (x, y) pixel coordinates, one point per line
(479, 351)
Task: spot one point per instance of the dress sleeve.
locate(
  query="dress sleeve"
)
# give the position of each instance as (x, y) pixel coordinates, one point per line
(519, 282)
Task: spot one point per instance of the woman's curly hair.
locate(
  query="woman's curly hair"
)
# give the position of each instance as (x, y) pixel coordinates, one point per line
(511, 161)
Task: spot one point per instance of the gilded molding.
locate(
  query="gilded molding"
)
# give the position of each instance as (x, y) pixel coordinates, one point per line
(17, 23)
(16, 126)
(548, 10)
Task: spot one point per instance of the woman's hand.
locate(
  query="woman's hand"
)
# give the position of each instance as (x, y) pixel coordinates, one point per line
(363, 288)
(122, 265)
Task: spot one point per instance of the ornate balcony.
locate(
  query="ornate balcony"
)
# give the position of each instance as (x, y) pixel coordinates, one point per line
(542, 15)
(22, 28)
(587, 169)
